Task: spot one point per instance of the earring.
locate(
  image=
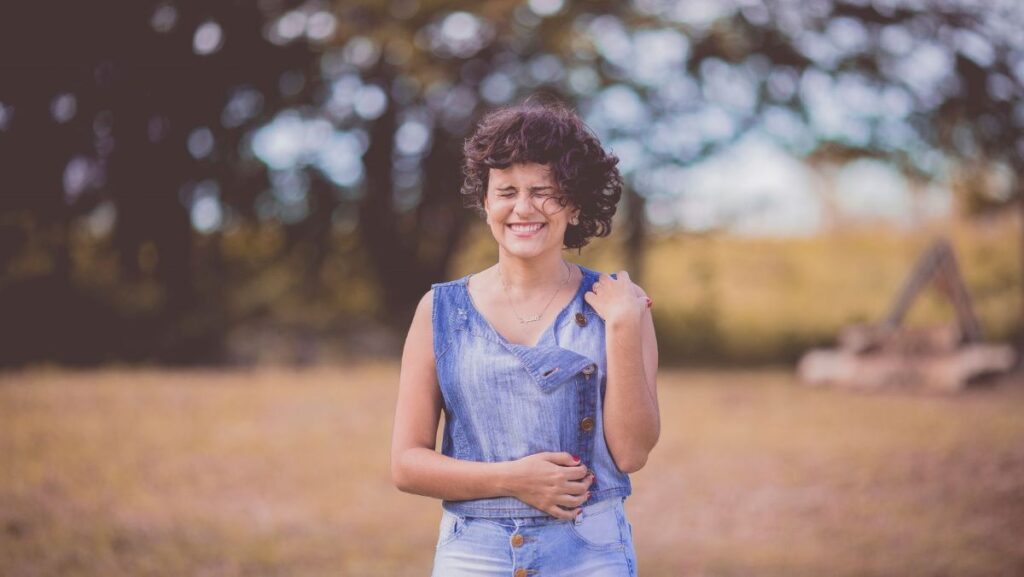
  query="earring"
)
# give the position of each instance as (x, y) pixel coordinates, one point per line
(574, 220)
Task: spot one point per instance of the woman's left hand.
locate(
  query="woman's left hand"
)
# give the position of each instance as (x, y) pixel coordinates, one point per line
(617, 298)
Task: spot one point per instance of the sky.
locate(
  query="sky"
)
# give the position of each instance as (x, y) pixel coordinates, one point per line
(756, 188)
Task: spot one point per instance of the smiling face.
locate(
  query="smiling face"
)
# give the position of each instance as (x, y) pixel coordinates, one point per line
(523, 210)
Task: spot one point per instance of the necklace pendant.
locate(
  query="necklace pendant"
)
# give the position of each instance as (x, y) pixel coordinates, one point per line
(536, 318)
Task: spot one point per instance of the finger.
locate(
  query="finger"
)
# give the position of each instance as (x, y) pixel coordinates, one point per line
(623, 275)
(576, 473)
(589, 479)
(583, 481)
(576, 491)
(566, 501)
(582, 486)
(573, 501)
(560, 513)
(562, 458)
(582, 498)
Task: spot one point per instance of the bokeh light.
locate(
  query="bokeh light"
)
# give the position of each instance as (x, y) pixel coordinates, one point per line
(63, 107)
(200, 143)
(164, 17)
(209, 38)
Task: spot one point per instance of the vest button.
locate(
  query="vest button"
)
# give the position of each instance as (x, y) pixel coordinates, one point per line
(589, 369)
(587, 423)
(581, 319)
(517, 540)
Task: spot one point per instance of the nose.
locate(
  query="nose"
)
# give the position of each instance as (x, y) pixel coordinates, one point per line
(524, 204)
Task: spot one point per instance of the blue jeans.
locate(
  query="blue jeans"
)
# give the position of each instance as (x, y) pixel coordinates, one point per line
(598, 543)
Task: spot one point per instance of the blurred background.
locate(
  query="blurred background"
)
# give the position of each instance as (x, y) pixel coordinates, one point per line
(216, 219)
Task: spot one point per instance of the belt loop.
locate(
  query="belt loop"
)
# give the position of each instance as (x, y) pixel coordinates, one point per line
(460, 520)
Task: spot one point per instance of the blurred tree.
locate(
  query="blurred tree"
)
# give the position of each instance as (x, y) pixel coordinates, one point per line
(182, 119)
(669, 83)
(140, 106)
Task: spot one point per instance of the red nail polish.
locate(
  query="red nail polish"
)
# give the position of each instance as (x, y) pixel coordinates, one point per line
(576, 458)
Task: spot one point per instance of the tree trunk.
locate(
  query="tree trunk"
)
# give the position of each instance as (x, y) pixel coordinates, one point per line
(409, 250)
(637, 238)
(1020, 325)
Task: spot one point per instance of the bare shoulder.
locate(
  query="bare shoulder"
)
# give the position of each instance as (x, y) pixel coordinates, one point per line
(419, 340)
(426, 304)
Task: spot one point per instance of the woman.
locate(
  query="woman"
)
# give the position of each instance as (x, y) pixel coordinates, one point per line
(545, 370)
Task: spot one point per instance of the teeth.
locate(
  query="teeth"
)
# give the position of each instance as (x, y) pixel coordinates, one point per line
(525, 227)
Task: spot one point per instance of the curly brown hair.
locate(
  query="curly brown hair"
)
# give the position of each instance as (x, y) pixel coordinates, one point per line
(548, 133)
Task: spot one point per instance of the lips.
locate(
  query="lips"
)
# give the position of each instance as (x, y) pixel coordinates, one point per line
(525, 229)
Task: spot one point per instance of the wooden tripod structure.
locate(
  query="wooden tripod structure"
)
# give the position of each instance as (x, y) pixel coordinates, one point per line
(888, 355)
(938, 264)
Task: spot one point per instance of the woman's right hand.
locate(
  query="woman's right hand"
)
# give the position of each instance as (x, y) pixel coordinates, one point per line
(550, 481)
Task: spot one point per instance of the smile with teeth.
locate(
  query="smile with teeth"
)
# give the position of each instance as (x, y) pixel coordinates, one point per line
(526, 228)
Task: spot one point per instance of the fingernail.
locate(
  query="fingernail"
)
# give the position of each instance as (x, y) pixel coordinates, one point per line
(576, 458)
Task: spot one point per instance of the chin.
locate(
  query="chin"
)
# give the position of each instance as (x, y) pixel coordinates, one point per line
(512, 249)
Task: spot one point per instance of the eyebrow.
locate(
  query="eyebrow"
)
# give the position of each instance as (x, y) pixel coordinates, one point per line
(512, 187)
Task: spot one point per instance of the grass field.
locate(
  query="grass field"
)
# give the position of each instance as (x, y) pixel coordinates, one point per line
(285, 473)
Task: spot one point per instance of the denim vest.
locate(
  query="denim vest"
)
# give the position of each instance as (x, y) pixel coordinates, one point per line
(504, 401)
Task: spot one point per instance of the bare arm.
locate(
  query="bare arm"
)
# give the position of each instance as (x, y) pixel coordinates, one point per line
(543, 480)
(631, 416)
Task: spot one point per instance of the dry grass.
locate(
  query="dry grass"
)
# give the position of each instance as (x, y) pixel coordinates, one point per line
(723, 299)
(755, 300)
(278, 472)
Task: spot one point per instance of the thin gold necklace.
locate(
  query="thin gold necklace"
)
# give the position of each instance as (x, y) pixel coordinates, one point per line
(538, 317)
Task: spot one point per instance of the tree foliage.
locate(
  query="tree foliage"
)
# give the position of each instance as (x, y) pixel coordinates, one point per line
(155, 135)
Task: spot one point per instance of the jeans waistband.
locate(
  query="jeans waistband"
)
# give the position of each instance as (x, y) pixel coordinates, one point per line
(592, 509)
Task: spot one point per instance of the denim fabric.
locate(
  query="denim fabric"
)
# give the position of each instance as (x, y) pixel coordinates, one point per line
(504, 401)
(599, 543)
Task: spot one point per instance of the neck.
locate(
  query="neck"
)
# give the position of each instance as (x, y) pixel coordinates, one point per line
(524, 276)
